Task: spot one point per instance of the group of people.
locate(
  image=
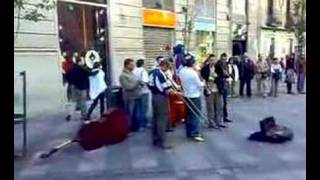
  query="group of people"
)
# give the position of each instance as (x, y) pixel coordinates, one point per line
(82, 84)
(215, 79)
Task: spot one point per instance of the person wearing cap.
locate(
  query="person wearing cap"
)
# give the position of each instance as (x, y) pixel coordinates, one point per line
(193, 88)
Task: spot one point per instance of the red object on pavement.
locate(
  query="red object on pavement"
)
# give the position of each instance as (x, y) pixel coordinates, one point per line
(111, 129)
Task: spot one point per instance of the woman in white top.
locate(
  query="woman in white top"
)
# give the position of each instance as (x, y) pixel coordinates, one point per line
(276, 72)
(97, 88)
(234, 76)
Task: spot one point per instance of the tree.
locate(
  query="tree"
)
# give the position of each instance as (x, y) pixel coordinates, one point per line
(32, 12)
(300, 23)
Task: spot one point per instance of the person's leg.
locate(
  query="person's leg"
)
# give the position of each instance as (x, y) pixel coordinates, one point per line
(155, 119)
(264, 87)
(92, 106)
(194, 120)
(225, 106)
(276, 82)
(303, 77)
(272, 87)
(102, 105)
(299, 83)
(129, 106)
(218, 102)
(241, 87)
(248, 82)
(259, 82)
(83, 104)
(145, 108)
(210, 109)
(163, 119)
(289, 87)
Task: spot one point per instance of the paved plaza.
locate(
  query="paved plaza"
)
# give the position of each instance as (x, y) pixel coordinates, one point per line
(225, 155)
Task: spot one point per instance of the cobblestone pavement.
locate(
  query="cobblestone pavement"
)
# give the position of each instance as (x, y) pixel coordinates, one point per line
(225, 155)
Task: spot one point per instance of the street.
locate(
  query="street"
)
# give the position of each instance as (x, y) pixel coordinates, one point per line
(225, 155)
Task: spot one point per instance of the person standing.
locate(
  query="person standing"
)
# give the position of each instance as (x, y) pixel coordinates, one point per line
(78, 77)
(234, 76)
(160, 89)
(214, 99)
(246, 71)
(67, 65)
(97, 88)
(262, 70)
(276, 71)
(192, 87)
(143, 105)
(131, 90)
(301, 73)
(221, 69)
(290, 73)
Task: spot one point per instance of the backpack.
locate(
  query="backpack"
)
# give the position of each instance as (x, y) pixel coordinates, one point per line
(271, 132)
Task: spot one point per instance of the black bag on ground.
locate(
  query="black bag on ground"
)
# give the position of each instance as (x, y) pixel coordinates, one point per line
(271, 132)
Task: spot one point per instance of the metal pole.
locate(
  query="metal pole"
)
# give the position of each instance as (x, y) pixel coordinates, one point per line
(23, 73)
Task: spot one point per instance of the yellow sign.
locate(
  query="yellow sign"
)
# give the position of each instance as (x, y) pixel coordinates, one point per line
(159, 18)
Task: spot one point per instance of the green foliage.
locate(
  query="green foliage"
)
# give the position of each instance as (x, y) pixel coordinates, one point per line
(33, 12)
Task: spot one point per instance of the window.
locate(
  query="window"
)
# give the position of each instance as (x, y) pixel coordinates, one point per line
(159, 4)
(204, 8)
(96, 1)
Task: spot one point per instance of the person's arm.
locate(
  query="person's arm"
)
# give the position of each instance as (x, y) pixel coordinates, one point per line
(272, 68)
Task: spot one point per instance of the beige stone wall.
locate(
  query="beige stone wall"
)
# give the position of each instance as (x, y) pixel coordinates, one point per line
(126, 34)
(253, 28)
(36, 51)
(223, 28)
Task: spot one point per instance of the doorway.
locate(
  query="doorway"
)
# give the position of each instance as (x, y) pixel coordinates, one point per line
(239, 47)
(84, 27)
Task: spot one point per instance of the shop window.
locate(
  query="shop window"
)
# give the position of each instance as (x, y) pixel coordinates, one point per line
(159, 4)
(204, 8)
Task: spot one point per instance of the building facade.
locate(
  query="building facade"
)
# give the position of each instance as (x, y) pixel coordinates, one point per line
(142, 29)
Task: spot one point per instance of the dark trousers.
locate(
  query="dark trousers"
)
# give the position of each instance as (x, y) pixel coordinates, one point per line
(300, 82)
(160, 119)
(192, 120)
(225, 103)
(100, 98)
(246, 82)
(289, 88)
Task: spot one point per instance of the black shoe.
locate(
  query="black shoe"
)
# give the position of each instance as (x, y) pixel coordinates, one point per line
(227, 120)
(169, 130)
(68, 118)
(213, 126)
(165, 146)
(223, 126)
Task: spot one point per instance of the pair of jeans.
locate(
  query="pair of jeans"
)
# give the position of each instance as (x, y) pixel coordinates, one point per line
(132, 107)
(100, 98)
(262, 85)
(300, 82)
(274, 87)
(225, 103)
(192, 121)
(247, 82)
(142, 109)
(81, 99)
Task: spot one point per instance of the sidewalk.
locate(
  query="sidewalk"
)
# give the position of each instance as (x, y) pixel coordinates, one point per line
(226, 154)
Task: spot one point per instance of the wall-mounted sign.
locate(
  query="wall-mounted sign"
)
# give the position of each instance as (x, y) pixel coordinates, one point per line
(159, 18)
(201, 26)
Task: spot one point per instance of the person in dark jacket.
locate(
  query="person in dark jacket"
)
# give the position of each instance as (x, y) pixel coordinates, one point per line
(221, 69)
(78, 78)
(290, 73)
(246, 73)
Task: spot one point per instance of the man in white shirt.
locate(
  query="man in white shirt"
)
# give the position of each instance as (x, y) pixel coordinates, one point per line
(143, 103)
(192, 87)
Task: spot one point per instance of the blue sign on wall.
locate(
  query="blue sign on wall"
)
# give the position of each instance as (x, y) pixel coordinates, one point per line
(201, 26)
